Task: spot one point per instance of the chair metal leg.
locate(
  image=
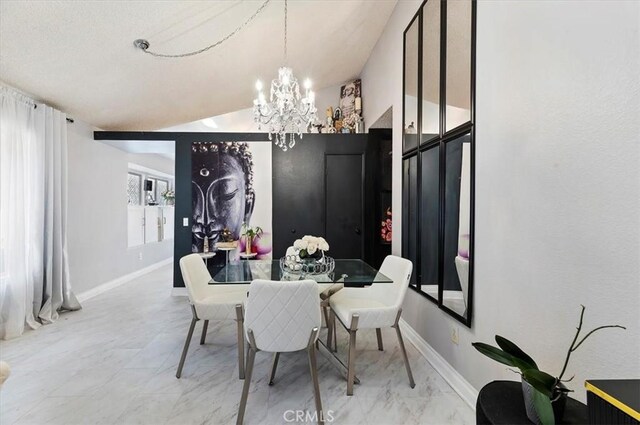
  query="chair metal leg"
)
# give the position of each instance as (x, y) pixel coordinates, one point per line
(251, 357)
(335, 336)
(331, 329)
(204, 332)
(379, 335)
(240, 323)
(403, 350)
(351, 370)
(325, 314)
(311, 349)
(187, 342)
(274, 366)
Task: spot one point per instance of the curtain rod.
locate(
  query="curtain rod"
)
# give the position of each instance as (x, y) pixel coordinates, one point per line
(69, 120)
(25, 98)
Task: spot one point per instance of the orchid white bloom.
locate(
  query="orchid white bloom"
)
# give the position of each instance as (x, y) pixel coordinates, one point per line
(312, 248)
(308, 238)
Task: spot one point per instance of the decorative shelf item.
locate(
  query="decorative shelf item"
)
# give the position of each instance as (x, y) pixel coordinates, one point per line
(227, 245)
(307, 266)
(307, 257)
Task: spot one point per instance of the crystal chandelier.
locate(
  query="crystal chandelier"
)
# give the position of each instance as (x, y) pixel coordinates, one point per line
(286, 111)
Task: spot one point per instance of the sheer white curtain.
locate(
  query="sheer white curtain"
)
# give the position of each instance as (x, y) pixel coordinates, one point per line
(34, 273)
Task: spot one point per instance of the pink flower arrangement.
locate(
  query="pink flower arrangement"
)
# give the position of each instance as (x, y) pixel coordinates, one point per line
(386, 227)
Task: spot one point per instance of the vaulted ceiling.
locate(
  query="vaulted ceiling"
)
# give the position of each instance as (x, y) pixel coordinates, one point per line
(79, 55)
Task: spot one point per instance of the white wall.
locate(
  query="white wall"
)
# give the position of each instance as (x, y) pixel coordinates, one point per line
(242, 121)
(97, 222)
(557, 184)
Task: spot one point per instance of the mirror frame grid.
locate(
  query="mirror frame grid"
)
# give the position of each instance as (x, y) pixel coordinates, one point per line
(415, 20)
(444, 137)
(422, 140)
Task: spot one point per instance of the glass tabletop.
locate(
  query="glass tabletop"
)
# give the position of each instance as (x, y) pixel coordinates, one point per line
(352, 273)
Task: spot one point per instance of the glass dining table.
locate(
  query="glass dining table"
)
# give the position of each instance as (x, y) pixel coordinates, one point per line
(352, 273)
(348, 272)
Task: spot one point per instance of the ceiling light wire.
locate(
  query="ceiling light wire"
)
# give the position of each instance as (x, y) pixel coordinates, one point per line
(144, 44)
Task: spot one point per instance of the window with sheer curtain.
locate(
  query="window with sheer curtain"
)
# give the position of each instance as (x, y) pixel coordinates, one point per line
(34, 270)
(134, 189)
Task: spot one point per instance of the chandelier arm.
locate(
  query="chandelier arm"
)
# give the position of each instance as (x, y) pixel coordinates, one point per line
(144, 44)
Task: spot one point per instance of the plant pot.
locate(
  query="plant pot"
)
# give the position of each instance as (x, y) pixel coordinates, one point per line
(558, 404)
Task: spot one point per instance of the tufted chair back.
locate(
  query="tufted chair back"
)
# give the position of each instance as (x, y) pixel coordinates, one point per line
(282, 315)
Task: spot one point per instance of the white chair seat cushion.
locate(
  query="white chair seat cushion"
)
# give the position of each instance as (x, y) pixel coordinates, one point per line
(220, 305)
(372, 313)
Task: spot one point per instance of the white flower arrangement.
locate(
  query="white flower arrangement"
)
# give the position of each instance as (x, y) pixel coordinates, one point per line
(311, 246)
(168, 194)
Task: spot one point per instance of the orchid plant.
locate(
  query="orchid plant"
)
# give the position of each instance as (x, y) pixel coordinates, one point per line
(547, 388)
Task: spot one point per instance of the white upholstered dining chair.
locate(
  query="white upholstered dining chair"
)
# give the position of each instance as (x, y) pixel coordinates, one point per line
(211, 302)
(377, 306)
(282, 317)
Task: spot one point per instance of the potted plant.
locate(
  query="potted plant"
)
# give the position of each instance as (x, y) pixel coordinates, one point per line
(545, 396)
(250, 233)
(169, 196)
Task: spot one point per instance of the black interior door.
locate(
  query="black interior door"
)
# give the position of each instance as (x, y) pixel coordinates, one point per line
(325, 186)
(344, 180)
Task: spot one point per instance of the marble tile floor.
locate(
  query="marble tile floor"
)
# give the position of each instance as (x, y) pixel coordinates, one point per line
(114, 362)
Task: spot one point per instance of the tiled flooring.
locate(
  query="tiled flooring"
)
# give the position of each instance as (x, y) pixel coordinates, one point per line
(114, 362)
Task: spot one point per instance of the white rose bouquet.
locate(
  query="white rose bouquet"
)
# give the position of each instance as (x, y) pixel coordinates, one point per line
(311, 247)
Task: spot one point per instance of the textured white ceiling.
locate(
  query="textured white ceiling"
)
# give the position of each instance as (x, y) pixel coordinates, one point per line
(79, 56)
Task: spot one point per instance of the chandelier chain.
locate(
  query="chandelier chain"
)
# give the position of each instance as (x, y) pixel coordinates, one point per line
(217, 43)
(285, 31)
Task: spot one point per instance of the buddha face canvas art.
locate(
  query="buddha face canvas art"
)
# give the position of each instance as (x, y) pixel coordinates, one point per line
(224, 191)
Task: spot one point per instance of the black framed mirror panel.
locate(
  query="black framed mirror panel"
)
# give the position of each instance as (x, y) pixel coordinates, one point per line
(410, 86)
(439, 165)
(430, 71)
(429, 223)
(410, 211)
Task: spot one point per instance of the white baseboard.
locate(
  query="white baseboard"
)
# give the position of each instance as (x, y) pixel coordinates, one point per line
(460, 385)
(179, 292)
(102, 288)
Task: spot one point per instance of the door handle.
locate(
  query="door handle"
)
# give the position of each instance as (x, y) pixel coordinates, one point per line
(358, 231)
(293, 230)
